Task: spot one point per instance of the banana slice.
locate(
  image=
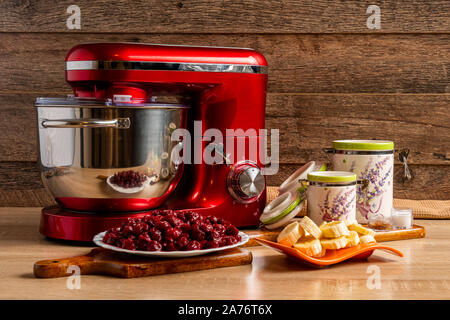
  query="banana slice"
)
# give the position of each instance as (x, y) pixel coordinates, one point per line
(290, 234)
(350, 221)
(367, 239)
(352, 239)
(360, 229)
(337, 243)
(320, 255)
(310, 227)
(310, 247)
(334, 229)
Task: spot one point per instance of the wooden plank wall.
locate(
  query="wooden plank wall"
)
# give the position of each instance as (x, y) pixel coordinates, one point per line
(330, 76)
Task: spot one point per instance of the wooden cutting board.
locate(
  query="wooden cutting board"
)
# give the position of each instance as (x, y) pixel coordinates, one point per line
(392, 235)
(381, 236)
(107, 262)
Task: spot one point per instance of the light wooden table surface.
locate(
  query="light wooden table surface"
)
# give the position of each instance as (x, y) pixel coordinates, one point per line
(424, 272)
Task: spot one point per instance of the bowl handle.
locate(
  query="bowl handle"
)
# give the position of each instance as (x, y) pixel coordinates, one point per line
(120, 123)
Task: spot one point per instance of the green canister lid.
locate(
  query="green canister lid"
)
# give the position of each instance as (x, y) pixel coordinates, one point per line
(363, 145)
(331, 176)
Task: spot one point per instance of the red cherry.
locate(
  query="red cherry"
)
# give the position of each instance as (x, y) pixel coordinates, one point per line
(215, 235)
(140, 228)
(128, 244)
(144, 237)
(192, 216)
(232, 231)
(131, 220)
(193, 245)
(204, 244)
(230, 240)
(174, 221)
(220, 221)
(154, 246)
(195, 228)
(213, 244)
(150, 220)
(143, 241)
(110, 238)
(181, 243)
(127, 230)
(170, 213)
(182, 216)
(212, 219)
(198, 235)
(185, 227)
(170, 247)
(220, 228)
(187, 235)
(173, 233)
(206, 227)
(163, 225)
(156, 235)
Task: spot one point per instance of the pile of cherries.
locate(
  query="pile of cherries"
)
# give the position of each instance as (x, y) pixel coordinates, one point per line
(173, 231)
(128, 179)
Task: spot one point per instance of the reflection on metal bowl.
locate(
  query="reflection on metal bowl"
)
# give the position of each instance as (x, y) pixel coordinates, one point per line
(82, 144)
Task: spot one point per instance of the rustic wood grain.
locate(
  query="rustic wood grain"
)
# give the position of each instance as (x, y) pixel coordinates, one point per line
(107, 262)
(381, 236)
(307, 123)
(428, 182)
(302, 63)
(38, 197)
(393, 235)
(21, 184)
(421, 274)
(216, 16)
(330, 77)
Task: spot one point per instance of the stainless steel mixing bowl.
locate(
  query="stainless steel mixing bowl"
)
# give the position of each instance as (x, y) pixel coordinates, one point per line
(84, 142)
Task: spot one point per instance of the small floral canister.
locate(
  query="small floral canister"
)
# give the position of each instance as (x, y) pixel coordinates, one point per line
(331, 196)
(371, 160)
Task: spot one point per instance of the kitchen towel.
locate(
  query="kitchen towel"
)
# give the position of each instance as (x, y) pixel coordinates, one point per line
(422, 209)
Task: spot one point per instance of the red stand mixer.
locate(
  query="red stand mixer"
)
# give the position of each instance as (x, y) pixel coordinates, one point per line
(129, 100)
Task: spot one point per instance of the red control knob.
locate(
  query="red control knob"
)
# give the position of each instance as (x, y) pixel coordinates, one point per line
(245, 181)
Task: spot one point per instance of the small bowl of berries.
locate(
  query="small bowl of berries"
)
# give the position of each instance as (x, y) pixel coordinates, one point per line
(128, 181)
(167, 233)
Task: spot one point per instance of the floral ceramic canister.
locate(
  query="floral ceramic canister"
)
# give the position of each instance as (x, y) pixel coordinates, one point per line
(331, 196)
(371, 160)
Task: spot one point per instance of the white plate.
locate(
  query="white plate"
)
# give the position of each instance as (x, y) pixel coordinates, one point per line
(127, 190)
(98, 240)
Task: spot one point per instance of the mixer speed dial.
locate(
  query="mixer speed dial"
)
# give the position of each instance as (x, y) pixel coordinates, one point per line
(245, 181)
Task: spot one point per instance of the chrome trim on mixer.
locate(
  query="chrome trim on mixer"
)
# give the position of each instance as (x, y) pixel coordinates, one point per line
(163, 66)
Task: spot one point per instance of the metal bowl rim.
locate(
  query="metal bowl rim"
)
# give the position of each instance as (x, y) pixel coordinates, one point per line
(51, 102)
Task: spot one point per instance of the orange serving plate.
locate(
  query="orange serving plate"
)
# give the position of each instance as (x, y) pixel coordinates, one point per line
(361, 251)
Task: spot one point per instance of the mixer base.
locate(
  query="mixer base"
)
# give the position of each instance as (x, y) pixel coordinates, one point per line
(66, 225)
